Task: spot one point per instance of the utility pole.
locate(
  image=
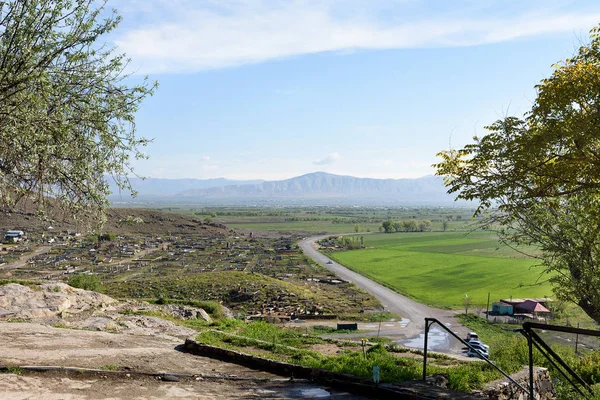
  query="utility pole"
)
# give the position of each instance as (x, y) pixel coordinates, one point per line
(576, 339)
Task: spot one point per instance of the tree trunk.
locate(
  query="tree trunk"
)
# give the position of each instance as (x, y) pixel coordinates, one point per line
(591, 309)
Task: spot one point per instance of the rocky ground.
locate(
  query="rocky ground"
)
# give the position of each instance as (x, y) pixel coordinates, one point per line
(58, 304)
(59, 386)
(70, 327)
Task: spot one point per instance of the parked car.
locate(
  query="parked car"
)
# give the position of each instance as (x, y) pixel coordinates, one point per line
(478, 349)
(472, 336)
(329, 262)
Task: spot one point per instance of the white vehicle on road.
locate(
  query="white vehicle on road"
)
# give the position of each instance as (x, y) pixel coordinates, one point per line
(478, 349)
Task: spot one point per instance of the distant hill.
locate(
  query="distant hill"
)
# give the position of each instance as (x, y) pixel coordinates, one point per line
(155, 187)
(325, 188)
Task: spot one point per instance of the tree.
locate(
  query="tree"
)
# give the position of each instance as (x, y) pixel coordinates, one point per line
(537, 179)
(397, 225)
(424, 226)
(357, 228)
(66, 106)
(445, 225)
(387, 226)
(130, 220)
(409, 225)
(466, 303)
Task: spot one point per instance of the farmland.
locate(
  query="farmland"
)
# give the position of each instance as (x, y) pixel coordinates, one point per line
(439, 268)
(322, 219)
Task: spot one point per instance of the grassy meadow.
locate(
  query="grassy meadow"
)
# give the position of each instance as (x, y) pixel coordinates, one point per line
(439, 268)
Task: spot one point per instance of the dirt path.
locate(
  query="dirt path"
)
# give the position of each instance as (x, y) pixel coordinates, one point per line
(23, 260)
(392, 301)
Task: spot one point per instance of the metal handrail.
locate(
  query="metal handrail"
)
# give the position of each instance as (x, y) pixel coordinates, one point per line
(431, 321)
(534, 339)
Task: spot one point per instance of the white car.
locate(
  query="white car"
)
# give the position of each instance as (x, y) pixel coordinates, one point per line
(478, 349)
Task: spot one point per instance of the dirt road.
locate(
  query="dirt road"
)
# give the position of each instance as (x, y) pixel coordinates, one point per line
(22, 261)
(392, 301)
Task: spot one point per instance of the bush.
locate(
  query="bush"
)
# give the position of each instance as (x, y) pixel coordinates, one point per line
(87, 282)
(107, 237)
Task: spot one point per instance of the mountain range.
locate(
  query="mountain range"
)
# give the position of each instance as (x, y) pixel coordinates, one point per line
(314, 188)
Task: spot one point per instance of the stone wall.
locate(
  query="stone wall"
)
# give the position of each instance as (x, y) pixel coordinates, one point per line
(504, 389)
(349, 383)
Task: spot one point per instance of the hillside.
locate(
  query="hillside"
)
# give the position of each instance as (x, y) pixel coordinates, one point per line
(154, 222)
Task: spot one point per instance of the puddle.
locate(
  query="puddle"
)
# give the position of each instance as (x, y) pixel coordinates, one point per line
(293, 391)
(403, 322)
(313, 393)
(438, 340)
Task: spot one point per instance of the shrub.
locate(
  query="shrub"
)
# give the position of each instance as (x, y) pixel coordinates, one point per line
(84, 281)
(105, 237)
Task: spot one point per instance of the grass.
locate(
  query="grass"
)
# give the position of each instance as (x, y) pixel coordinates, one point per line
(272, 342)
(215, 286)
(87, 282)
(439, 268)
(23, 282)
(16, 370)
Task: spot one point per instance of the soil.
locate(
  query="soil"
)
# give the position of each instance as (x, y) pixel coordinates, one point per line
(71, 386)
(328, 349)
(34, 344)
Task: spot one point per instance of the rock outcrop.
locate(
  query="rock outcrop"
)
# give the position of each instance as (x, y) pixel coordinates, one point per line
(61, 305)
(48, 300)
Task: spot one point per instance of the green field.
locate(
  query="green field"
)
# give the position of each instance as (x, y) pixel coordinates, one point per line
(439, 268)
(322, 219)
(308, 226)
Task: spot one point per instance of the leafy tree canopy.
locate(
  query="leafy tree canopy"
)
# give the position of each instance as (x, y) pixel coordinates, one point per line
(538, 177)
(66, 106)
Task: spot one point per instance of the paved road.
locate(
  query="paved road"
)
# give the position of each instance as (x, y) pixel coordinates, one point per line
(392, 301)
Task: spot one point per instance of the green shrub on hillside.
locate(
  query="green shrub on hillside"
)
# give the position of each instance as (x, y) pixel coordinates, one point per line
(84, 281)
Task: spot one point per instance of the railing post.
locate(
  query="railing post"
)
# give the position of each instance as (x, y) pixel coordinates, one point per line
(530, 344)
(425, 350)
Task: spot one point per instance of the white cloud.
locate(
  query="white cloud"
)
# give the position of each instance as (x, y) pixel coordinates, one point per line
(187, 36)
(328, 160)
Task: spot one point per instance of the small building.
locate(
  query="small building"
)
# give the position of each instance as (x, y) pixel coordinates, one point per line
(531, 307)
(14, 236)
(502, 308)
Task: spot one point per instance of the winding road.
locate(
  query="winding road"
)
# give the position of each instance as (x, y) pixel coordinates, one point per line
(392, 301)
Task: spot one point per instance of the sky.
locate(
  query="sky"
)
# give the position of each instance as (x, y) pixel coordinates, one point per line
(252, 89)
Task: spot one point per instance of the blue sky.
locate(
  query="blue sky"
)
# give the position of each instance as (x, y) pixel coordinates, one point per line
(373, 88)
